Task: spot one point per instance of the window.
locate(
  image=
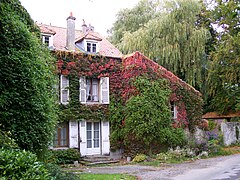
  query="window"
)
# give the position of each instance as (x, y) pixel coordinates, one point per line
(61, 136)
(46, 40)
(92, 89)
(93, 134)
(91, 47)
(64, 86)
(173, 110)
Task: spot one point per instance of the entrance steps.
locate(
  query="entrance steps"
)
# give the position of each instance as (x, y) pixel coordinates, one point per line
(97, 160)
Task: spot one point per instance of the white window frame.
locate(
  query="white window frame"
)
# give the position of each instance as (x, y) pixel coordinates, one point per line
(50, 44)
(91, 42)
(64, 88)
(103, 91)
(174, 111)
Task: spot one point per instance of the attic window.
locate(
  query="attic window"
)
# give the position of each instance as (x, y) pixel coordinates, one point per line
(46, 40)
(91, 47)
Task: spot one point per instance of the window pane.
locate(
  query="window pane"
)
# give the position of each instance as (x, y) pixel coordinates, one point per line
(89, 134)
(64, 82)
(89, 126)
(95, 92)
(89, 143)
(88, 47)
(96, 126)
(55, 140)
(63, 141)
(94, 49)
(96, 143)
(64, 95)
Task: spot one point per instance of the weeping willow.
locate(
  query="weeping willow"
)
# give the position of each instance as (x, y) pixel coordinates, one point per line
(173, 39)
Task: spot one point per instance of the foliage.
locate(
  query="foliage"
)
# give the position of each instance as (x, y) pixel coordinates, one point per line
(223, 77)
(57, 173)
(139, 158)
(17, 164)
(147, 114)
(27, 99)
(178, 154)
(63, 156)
(122, 75)
(6, 141)
(169, 36)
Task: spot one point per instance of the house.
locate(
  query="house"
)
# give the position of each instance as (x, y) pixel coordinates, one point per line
(89, 136)
(93, 73)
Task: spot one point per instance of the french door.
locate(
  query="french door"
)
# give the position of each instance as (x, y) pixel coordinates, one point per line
(93, 137)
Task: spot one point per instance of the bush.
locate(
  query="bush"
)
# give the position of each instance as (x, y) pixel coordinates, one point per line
(18, 164)
(140, 158)
(56, 173)
(63, 156)
(176, 154)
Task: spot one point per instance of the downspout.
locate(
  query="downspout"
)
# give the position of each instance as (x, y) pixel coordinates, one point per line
(79, 138)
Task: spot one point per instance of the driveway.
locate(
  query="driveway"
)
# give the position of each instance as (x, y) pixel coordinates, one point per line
(224, 167)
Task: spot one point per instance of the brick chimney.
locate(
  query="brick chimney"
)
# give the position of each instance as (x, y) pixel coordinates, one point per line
(70, 45)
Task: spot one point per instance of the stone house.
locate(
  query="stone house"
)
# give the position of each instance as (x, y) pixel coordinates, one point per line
(91, 73)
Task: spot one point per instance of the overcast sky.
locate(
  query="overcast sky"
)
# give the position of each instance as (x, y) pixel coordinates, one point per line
(99, 13)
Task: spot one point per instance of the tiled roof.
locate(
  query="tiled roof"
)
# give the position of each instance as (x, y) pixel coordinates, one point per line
(89, 35)
(215, 115)
(45, 29)
(59, 40)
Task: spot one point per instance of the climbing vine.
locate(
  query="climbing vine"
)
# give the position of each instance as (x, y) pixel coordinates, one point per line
(123, 75)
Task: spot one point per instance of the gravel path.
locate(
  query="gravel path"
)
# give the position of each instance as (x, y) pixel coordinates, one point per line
(163, 172)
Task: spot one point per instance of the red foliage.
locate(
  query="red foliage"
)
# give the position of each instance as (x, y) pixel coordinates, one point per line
(121, 72)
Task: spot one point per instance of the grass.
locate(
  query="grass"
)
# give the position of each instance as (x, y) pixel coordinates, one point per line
(106, 177)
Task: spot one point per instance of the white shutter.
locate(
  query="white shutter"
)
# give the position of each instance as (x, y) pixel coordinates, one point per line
(82, 90)
(64, 95)
(105, 138)
(83, 138)
(73, 134)
(104, 90)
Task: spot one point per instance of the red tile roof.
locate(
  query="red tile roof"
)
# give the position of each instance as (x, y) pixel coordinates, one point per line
(45, 29)
(215, 115)
(59, 40)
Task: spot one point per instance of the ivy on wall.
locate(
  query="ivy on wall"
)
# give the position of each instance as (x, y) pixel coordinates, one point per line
(122, 74)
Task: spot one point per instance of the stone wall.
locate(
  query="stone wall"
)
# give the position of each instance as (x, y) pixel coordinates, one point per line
(231, 132)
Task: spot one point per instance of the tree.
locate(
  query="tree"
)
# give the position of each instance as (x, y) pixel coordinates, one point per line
(170, 36)
(224, 71)
(27, 101)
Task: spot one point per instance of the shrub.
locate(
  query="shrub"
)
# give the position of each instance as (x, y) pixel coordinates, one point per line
(18, 164)
(140, 158)
(176, 154)
(56, 173)
(64, 156)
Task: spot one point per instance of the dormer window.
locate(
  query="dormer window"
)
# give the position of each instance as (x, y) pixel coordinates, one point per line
(46, 40)
(91, 47)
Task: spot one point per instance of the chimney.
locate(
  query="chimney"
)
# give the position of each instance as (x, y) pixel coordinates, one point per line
(91, 28)
(84, 27)
(71, 33)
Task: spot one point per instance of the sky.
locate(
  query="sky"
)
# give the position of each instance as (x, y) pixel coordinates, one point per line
(99, 13)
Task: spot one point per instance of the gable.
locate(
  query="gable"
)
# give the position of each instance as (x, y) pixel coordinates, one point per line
(139, 60)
